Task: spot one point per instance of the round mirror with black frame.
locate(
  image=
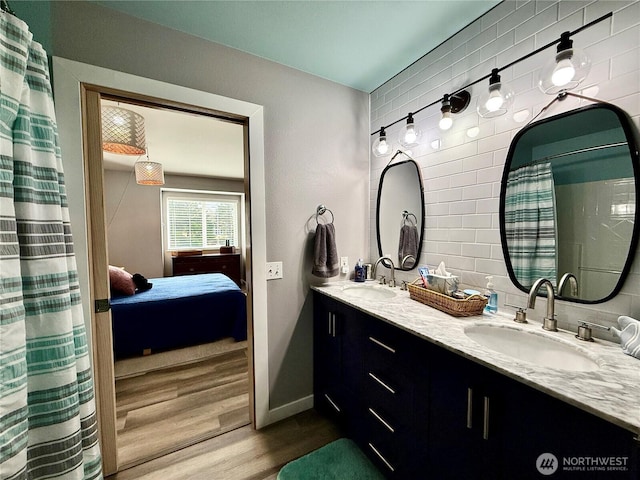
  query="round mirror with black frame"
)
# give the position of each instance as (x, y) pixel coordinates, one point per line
(400, 214)
(568, 203)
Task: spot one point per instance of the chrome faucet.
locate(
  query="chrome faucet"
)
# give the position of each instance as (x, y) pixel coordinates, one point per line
(392, 280)
(549, 322)
(573, 282)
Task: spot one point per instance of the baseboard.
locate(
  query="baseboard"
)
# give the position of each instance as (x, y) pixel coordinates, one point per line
(290, 409)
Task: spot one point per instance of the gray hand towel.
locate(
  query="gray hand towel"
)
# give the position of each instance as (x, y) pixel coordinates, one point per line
(629, 335)
(408, 244)
(325, 255)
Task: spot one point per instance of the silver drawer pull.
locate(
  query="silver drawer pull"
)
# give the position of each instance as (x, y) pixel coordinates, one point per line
(389, 466)
(381, 420)
(382, 383)
(332, 403)
(469, 407)
(378, 342)
(485, 423)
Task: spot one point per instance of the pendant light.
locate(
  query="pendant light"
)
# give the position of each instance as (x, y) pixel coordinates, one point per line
(381, 145)
(123, 131)
(497, 99)
(566, 70)
(409, 135)
(148, 172)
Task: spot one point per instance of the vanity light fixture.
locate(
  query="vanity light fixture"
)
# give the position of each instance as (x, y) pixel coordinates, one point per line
(381, 146)
(566, 70)
(410, 134)
(497, 99)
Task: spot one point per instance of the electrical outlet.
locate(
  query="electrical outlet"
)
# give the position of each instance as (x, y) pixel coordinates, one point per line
(274, 270)
(344, 261)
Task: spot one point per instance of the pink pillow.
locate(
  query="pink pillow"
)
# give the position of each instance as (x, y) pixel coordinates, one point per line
(121, 281)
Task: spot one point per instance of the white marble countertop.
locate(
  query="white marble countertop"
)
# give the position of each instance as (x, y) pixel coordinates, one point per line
(611, 392)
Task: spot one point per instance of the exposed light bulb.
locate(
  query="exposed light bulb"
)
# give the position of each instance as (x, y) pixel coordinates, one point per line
(410, 135)
(566, 70)
(495, 100)
(563, 73)
(446, 121)
(383, 147)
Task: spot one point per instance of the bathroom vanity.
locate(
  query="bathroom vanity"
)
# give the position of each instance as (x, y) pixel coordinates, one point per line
(423, 400)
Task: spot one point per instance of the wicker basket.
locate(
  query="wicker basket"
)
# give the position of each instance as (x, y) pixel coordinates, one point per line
(473, 305)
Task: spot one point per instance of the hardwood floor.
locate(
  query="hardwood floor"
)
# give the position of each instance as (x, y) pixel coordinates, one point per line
(173, 407)
(242, 454)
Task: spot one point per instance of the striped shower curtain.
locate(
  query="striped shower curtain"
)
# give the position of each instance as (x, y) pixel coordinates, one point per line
(47, 412)
(530, 223)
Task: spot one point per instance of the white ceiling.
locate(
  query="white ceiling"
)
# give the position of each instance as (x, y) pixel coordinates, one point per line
(186, 144)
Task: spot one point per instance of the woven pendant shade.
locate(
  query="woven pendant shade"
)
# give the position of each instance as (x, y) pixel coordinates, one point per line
(149, 173)
(123, 131)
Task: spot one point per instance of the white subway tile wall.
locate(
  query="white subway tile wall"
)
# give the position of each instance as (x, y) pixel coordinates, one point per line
(462, 176)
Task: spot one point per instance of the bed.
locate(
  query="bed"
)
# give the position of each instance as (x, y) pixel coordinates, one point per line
(178, 312)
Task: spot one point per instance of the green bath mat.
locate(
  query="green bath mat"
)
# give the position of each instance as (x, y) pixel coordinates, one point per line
(338, 460)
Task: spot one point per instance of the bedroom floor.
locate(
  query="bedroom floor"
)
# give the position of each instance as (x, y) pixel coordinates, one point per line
(171, 407)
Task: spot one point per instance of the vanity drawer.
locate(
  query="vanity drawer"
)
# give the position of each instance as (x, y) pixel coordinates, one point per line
(391, 346)
(385, 444)
(392, 394)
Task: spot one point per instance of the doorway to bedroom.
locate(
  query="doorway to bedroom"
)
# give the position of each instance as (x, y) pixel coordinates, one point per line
(179, 379)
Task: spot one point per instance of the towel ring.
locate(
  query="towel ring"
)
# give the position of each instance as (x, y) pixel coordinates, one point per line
(405, 217)
(321, 210)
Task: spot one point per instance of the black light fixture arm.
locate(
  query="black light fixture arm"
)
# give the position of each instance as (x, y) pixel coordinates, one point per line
(524, 57)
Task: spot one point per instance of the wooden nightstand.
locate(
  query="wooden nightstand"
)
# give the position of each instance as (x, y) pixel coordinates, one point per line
(227, 263)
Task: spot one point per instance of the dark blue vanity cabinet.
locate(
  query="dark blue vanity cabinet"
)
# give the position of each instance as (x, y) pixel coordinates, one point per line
(420, 411)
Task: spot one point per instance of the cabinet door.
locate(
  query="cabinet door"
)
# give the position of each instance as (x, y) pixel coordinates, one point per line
(337, 359)
(465, 420)
(540, 424)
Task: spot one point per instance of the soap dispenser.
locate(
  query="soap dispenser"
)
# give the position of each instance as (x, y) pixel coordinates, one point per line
(490, 293)
(360, 272)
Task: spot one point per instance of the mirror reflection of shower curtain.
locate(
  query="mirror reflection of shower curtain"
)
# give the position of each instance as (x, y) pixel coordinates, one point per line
(530, 223)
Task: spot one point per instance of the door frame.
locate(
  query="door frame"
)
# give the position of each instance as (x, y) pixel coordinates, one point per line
(72, 81)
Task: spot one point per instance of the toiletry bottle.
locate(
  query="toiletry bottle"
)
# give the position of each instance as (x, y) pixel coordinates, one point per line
(490, 293)
(360, 274)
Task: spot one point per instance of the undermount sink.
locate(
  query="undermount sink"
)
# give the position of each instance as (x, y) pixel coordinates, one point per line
(531, 347)
(369, 292)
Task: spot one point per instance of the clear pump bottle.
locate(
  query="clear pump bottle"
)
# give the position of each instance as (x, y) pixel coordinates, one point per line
(490, 293)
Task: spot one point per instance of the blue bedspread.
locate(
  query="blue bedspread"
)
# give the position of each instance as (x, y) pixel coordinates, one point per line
(178, 312)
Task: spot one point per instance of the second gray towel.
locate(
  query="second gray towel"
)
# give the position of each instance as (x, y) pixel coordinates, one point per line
(408, 244)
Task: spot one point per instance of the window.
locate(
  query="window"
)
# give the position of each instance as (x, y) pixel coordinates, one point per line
(201, 220)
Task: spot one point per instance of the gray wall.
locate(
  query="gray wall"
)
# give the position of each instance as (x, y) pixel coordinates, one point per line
(462, 179)
(300, 109)
(134, 224)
